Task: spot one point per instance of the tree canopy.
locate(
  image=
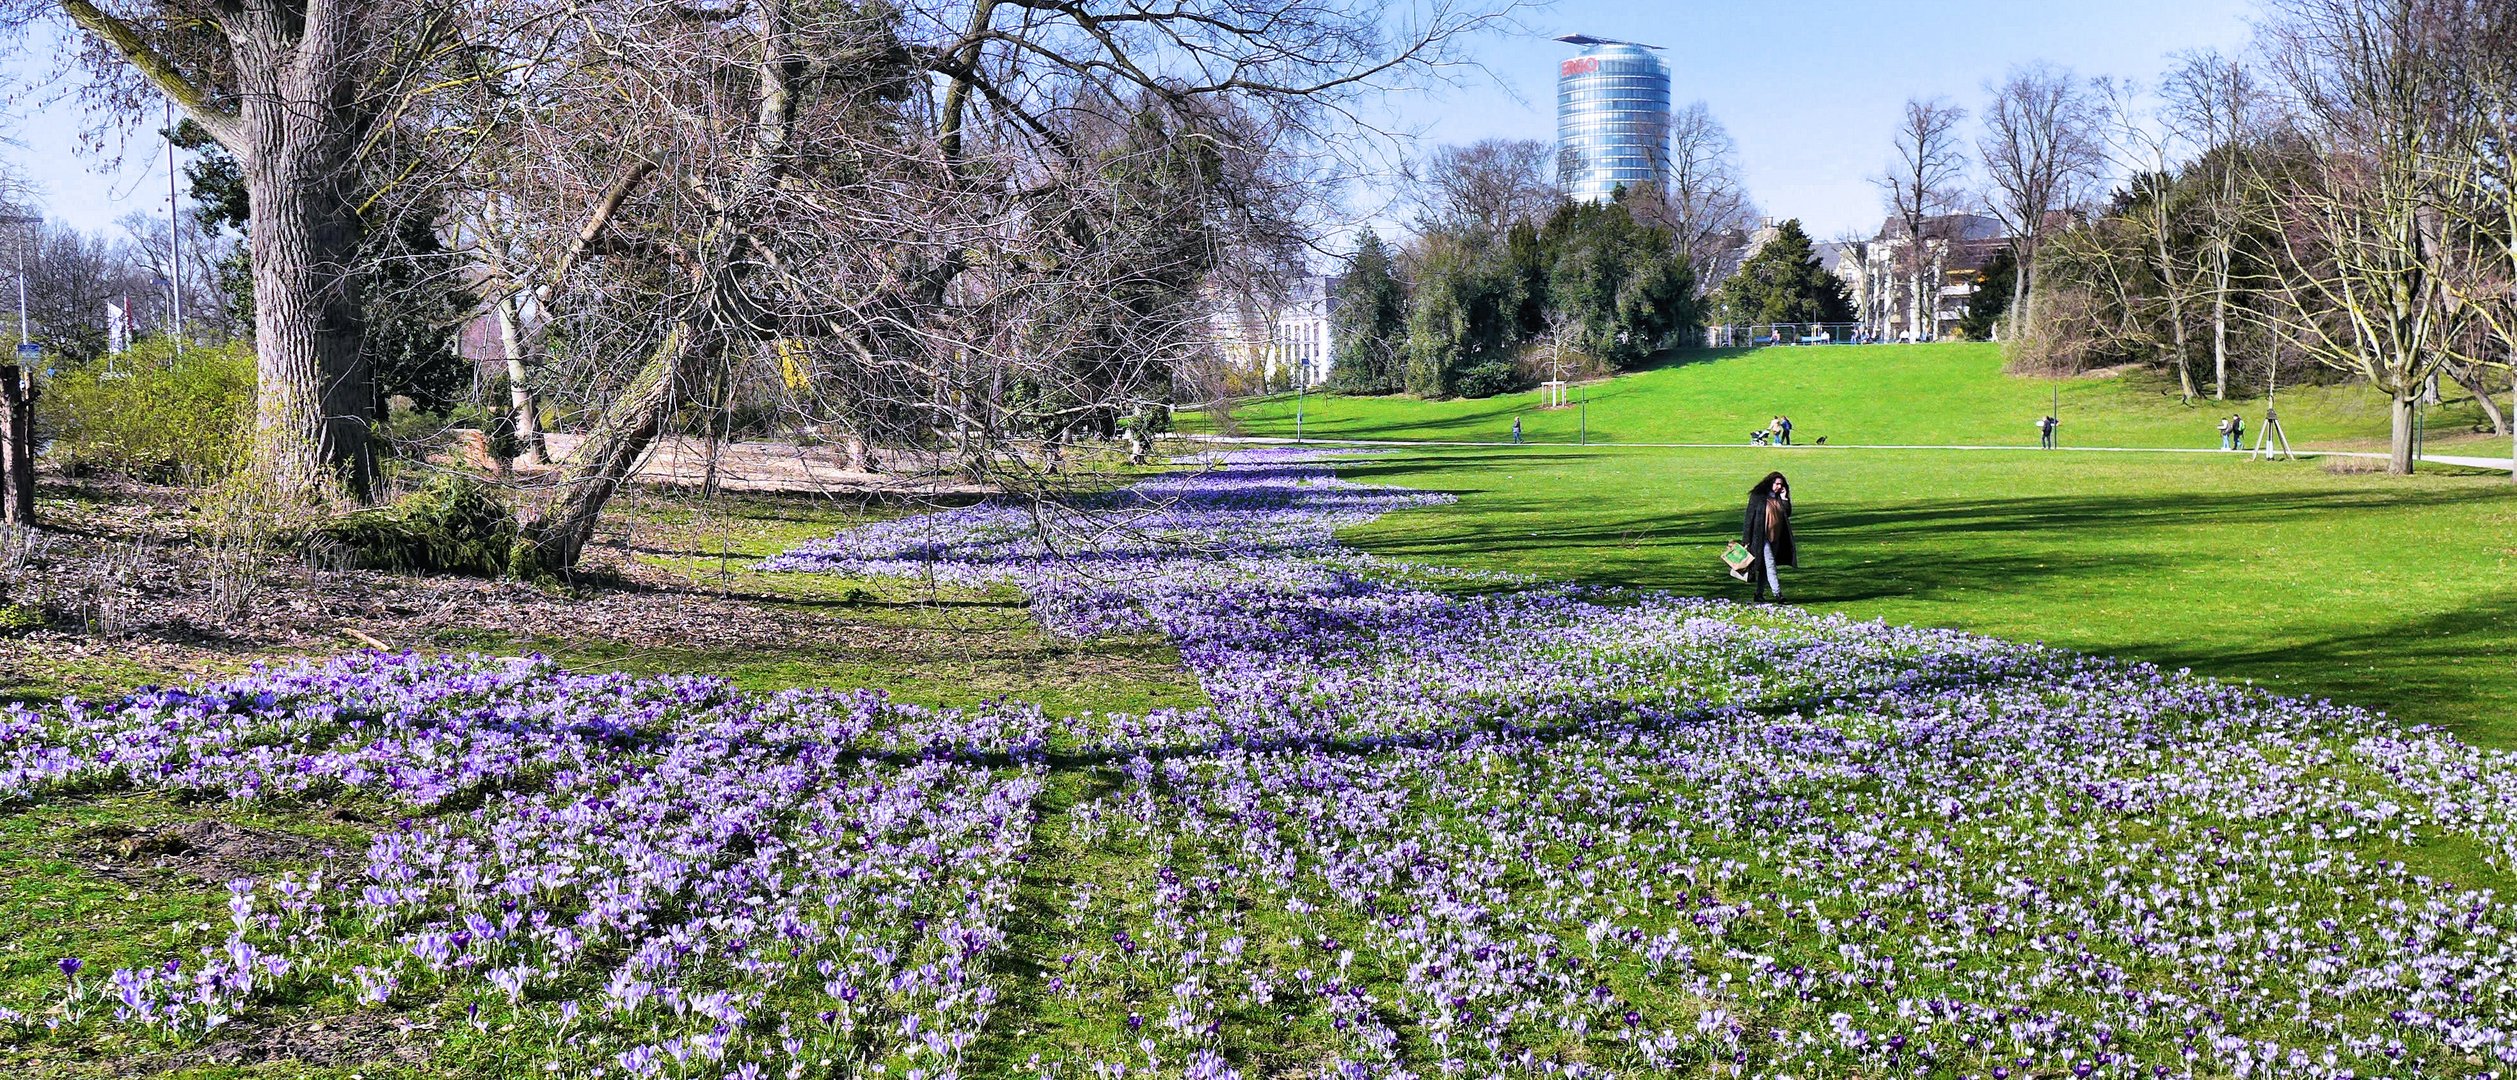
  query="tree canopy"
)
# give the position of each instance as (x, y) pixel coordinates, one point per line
(1784, 283)
(1368, 322)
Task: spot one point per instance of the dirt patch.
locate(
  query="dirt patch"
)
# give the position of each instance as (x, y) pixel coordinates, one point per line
(208, 852)
(682, 461)
(365, 1038)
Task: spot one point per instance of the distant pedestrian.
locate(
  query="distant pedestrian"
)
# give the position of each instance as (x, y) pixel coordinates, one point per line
(2045, 426)
(1516, 431)
(1768, 534)
(2237, 432)
(1785, 423)
(2227, 441)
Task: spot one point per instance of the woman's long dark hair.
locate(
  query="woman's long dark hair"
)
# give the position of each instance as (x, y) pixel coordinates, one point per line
(1765, 487)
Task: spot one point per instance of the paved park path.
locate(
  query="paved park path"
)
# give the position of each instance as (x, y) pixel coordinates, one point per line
(2501, 464)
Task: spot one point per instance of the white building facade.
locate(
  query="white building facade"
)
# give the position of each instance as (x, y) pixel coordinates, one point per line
(1285, 342)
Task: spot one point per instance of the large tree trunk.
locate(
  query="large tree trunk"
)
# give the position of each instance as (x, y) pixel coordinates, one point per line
(519, 392)
(552, 541)
(2399, 448)
(314, 393)
(294, 127)
(2021, 295)
(17, 447)
(2220, 339)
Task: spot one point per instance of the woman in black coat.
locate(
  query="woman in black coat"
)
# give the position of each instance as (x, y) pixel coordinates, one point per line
(1768, 533)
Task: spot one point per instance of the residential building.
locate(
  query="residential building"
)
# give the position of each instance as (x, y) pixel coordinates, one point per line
(1612, 118)
(1879, 272)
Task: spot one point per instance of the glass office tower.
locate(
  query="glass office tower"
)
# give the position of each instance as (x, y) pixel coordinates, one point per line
(1612, 117)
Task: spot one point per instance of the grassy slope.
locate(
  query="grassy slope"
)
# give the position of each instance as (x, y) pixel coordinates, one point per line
(1878, 394)
(2392, 593)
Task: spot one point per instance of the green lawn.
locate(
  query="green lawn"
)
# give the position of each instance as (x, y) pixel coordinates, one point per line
(2395, 593)
(1938, 394)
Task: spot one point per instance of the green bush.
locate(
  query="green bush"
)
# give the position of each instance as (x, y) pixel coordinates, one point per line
(454, 524)
(1486, 378)
(148, 415)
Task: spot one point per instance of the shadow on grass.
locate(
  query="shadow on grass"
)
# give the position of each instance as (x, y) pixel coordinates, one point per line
(2428, 670)
(2141, 576)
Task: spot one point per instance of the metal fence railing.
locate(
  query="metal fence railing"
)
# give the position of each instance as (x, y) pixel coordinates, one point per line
(1740, 336)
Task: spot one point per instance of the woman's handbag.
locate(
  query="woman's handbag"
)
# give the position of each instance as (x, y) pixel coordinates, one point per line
(1736, 556)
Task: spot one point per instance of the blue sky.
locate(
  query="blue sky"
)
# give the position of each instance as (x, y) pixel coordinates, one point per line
(1809, 88)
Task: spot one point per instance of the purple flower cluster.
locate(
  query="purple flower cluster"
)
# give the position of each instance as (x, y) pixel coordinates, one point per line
(1551, 831)
(640, 876)
(1432, 825)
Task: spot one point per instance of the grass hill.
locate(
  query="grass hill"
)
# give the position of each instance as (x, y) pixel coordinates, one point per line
(2382, 591)
(1951, 393)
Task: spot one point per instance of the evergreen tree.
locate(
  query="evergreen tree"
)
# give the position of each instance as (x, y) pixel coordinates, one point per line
(1991, 300)
(1368, 327)
(1621, 282)
(1462, 318)
(1784, 283)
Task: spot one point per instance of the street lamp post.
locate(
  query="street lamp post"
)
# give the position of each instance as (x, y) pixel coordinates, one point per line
(21, 219)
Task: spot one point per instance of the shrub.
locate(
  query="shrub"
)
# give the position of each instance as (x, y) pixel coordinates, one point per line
(1489, 377)
(452, 524)
(146, 414)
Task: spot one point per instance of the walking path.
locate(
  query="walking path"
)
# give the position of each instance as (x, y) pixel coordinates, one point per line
(2501, 464)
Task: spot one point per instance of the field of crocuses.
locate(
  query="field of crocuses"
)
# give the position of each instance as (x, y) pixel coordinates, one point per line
(1433, 824)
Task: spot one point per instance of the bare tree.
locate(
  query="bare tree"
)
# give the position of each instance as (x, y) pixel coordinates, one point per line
(2216, 107)
(2150, 153)
(2483, 47)
(1923, 185)
(195, 259)
(304, 96)
(2041, 153)
(2369, 250)
(1708, 207)
(1489, 185)
(956, 226)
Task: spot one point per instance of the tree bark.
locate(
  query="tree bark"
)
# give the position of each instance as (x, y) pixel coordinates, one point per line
(314, 393)
(519, 393)
(2399, 459)
(293, 132)
(551, 543)
(17, 447)
(2469, 376)
(2220, 342)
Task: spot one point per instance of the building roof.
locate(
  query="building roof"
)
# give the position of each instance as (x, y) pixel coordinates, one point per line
(1950, 227)
(1586, 40)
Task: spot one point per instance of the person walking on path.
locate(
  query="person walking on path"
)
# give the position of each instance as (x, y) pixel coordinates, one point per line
(1785, 423)
(1516, 431)
(2227, 441)
(2237, 432)
(2045, 426)
(1768, 534)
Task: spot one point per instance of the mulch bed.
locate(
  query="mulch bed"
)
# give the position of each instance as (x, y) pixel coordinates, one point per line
(120, 586)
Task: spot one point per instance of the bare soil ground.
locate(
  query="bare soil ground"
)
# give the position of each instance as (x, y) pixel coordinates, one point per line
(121, 589)
(764, 466)
(114, 594)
